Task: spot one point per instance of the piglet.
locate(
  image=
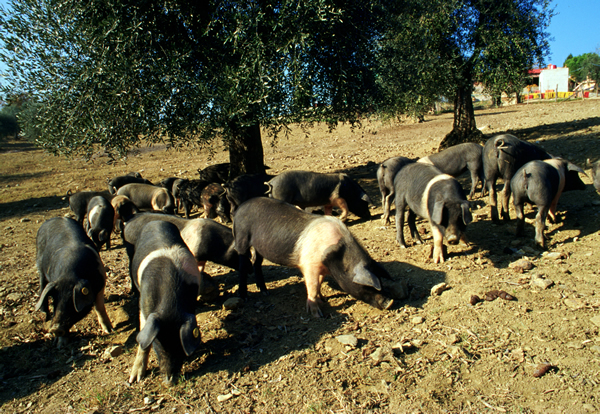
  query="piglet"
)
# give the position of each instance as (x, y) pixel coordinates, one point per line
(100, 221)
(385, 178)
(541, 183)
(71, 273)
(311, 189)
(317, 245)
(166, 276)
(129, 178)
(436, 197)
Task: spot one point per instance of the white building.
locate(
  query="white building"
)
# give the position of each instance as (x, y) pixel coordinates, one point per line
(554, 79)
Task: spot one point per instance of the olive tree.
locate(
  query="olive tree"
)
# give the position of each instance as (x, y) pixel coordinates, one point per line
(118, 73)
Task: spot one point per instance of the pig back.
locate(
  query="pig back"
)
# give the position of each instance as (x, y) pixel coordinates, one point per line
(304, 188)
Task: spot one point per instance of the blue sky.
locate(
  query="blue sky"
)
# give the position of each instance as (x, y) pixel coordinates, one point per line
(574, 30)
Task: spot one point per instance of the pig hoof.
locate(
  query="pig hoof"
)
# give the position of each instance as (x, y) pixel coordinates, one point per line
(313, 308)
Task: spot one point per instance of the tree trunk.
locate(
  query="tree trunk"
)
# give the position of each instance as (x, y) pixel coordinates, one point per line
(464, 129)
(245, 151)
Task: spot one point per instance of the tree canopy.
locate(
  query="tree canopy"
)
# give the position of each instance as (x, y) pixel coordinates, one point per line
(115, 73)
(584, 66)
(444, 46)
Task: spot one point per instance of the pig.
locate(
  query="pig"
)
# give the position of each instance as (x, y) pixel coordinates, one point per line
(541, 183)
(100, 221)
(434, 196)
(189, 194)
(124, 210)
(457, 159)
(149, 197)
(385, 178)
(217, 173)
(168, 183)
(245, 187)
(78, 202)
(317, 245)
(211, 196)
(595, 166)
(130, 178)
(167, 278)
(206, 239)
(72, 273)
(502, 156)
(310, 189)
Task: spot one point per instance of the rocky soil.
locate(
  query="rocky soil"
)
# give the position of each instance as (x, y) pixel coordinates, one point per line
(433, 351)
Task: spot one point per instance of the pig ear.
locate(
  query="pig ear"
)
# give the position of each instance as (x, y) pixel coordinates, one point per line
(82, 296)
(438, 210)
(45, 292)
(363, 277)
(573, 167)
(148, 332)
(466, 212)
(189, 334)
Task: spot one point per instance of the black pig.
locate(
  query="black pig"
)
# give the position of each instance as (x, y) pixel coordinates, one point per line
(166, 276)
(502, 156)
(541, 183)
(457, 159)
(310, 189)
(70, 272)
(245, 187)
(317, 245)
(78, 202)
(129, 178)
(436, 197)
(100, 221)
(385, 178)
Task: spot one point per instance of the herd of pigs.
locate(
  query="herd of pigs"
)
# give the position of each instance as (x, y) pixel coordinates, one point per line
(167, 253)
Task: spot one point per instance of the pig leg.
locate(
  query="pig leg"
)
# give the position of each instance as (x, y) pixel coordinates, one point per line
(312, 280)
(139, 365)
(474, 182)
(438, 244)
(540, 225)
(342, 205)
(258, 275)
(505, 198)
(386, 208)
(44, 307)
(491, 184)
(520, 218)
(414, 233)
(400, 205)
(103, 319)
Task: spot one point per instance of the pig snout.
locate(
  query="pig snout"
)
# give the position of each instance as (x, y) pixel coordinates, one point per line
(452, 238)
(57, 330)
(382, 302)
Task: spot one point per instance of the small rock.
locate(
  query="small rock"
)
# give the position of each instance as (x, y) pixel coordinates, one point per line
(148, 400)
(541, 370)
(555, 256)
(377, 356)
(416, 320)
(113, 351)
(350, 340)
(25, 220)
(575, 345)
(439, 288)
(525, 264)
(574, 303)
(15, 297)
(541, 283)
(232, 303)
(596, 320)
(401, 347)
(224, 397)
(595, 348)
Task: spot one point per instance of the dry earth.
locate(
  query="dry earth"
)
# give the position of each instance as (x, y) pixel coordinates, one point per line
(429, 353)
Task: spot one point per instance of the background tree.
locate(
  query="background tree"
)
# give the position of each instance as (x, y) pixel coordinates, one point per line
(584, 66)
(453, 43)
(115, 73)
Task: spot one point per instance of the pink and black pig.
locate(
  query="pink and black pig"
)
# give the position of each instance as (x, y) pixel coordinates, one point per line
(502, 156)
(78, 202)
(317, 245)
(385, 178)
(310, 189)
(434, 196)
(595, 166)
(457, 159)
(166, 276)
(71, 273)
(541, 183)
(149, 197)
(100, 221)
(129, 178)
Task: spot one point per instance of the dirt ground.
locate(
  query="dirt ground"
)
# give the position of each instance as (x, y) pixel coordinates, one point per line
(430, 353)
